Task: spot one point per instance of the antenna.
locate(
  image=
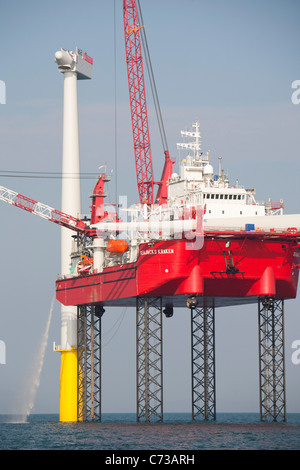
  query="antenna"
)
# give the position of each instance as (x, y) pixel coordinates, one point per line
(196, 145)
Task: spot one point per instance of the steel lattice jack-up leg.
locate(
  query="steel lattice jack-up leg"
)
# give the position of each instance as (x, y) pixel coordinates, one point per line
(149, 359)
(89, 362)
(271, 359)
(203, 360)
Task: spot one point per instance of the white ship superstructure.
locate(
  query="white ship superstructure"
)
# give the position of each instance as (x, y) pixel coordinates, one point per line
(197, 183)
(196, 186)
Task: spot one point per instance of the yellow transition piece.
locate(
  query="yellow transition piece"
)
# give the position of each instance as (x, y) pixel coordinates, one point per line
(68, 386)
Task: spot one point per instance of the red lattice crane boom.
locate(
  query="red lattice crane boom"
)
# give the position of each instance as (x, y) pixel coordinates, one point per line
(138, 106)
(98, 212)
(134, 38)
(42, 210)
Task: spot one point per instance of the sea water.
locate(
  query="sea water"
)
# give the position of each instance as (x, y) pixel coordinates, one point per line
(121, 432)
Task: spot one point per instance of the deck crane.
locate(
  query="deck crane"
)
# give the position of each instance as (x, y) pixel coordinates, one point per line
(42, 210)
(98, 212)
(134, 38)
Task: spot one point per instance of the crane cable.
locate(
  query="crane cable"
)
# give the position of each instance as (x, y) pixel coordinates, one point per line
(115, 109)
(46, 174)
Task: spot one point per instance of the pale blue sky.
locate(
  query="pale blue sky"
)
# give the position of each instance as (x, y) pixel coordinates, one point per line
(229, 64)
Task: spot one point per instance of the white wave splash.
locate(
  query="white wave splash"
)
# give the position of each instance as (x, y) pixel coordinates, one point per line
(29, 394)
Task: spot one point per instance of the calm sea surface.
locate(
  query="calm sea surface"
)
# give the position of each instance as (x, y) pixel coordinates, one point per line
(240, 431)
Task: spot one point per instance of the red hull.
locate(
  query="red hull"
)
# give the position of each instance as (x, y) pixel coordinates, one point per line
(255, 267)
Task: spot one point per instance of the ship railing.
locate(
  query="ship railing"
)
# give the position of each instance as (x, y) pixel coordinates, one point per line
(271, 230)
(270, 205)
